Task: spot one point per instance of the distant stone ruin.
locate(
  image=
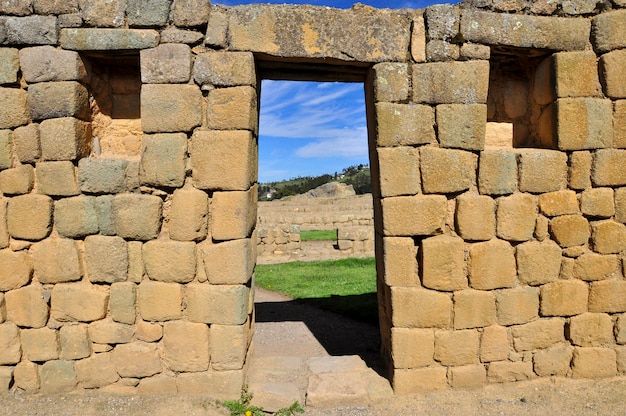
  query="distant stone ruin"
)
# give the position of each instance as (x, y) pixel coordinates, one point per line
(128, 180)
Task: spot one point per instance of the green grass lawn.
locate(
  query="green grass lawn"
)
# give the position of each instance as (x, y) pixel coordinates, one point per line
(346, 286)
(318, 235)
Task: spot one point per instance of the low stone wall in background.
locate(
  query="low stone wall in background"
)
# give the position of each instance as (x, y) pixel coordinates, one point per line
(279, 238)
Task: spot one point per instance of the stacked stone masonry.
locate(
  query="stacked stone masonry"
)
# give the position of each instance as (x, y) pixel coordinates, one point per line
(127, 256)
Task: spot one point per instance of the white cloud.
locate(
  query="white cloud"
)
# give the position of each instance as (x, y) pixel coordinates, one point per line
(351, 144)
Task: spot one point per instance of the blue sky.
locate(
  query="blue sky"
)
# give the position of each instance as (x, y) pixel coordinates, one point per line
(309, 128)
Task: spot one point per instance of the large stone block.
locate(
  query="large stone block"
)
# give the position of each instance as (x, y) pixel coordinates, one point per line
(106, 259)
(594, 363)
(137, 359)
(103, 13)
(540, 334)
(56, 178)
(233, 214)
(542, 171)
(76, 217)
(18, 180)
(9, 65)
(228, 263)
(167, 63)
(553, 361)
(102, 176)
(233, 108)
(95, 372)
(608, 237)
(555, 33)
(418, 39)
(108, 332)
(4, 229)
(29, 217)
(391, 82)
(228, 346)
(584, 123)
(576, 74)
(609, 31)
(159, 301)
(414, 215)
(507, 372)
(170, 261)
(580, 170)
(145, 13)
(456, 348)
(16, 269)
(6, 157)
(26, 143)
(443, 263)
(399, 171)
(186, 346)
(26, 376)
(420, 308)
(10, 346)
(468, 377)
(188, 216)
(517, 306)
(451, 82)
(17, 114)
(57, 377)
(65, 138)
(158, 384)
(538, 263)
(187, 13)
(619, 123)
(72, 302)
(462, 126)
(570, 230)
(516, 217)
(223, 160)
(80, 39)
(446, 171)
(57, 260)
(27, 306)
(497, 172)
(419, 380)
(404, 124)
(47, 7)
(75, 342)
(607, 296)
(46, 63)
(30, 30)
(606, 169)
(317, 32)
(58, 99)
(217, 304)
(40, 344)
(16, 7)
(170, 108)
(564, 298)
(591, 330)
(400, 262)
(412, 348)
(557, 203)
(494, 344)
(226, 69)
(163, 159)
(122, 300)
(474, 309)
(137, 217)
(592, 266)
(491, 265)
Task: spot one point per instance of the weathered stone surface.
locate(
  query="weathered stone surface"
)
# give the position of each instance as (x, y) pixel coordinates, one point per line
(594, 363)
(10, 347)
(135, 262)
(553, 361)
(420, 308)
(4, 229)
(404, 124)
(591, 266)
(391, 82)
(570, 230)
(40, 344)
(217, 30)
(443, 263)
(76, 217)
(542, 171)
(57, 376)
(106, 259)
(75, 342)
(441, 51)
(462, 126)
(591, 330)
(148, 332)
(122, 299)
(606, 171)
(516, 217)
(9, 65)
(58, 99)
(584, 123)
(468, 377)
(517, 306)
(538, 263)
(205, 304)
(293, 31)
(554, 33)
(16, 7)
(188, 215)
(418, 39)
(228, 346)
(608, 237)
(103, 14)
(456, 347)
(506, 372)
(26, 376)
(137, 217)
(102, 176)
(27, 307)
(166, 64)
(46, 63)
(5, 149)
(16, 269)
(400, 261)
(13, 115)
(540, 334)
(557, 203)
(29, 30)
(494, 344)
(451, 82)
(446, 171)
(146, 13)
(163, 158)
(64, 138)
(170, 108)
(187, 13)
(137, 359)
(415, 380)
(609, 31)
(223, 160)
(474, 309)
(226, 69)
(96, 371)
(79, 39)
(57, 260)
(576, 74)
(56, 178)
(18, 180)
(159, 301)
(232, 214)
(491, 265)
(399, 171)
(108, 332)
(619, 124)
(233, 108)
(607, 296)
(580, 170)
(78, 302)
(228, 263)
(405, 351)
(620, 329)
(170, 261)
(186, 346)
(598, 202)
(497, 172)
(564, 298)
(26, 143)
(158, 384)
(29, 217)
(414, 215)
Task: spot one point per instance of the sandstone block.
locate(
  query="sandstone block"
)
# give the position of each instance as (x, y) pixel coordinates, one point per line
(451, 82)
(148, 332)
(232, 108)
(3, 309)
(440, 50)
(233, 214)
(225, 69)
(167, 63)
(443, 260)
(516, 217)
(580, 170)
(608, 31)
(122, 297)
(404, 125)
(418, 39)
(605, 171)
(137, 217)
(620, 329)
(400, 262)
(420, 308)
(540, 334)
(75, 342)
(223, 160)
(9, 65)
(619, 124)
(78, 302)
(497, 172)
(106, 259)
(5, 149)
(58, 99)
(104, 213)
(17, 114)
(474, 309)
(163, 159)
(137, 359)
(598, 202)
(57, 376)
(538, 263)
(159, 301)
(391, 82)
(109, 332)
(158, 384)
(412, 348)
(188, 217)
(217, 30)
(186, 346)
(46, 63)
(29, 217)
(217, 304)
(170, 261)
(564, 298)
(17, 8)
(543, 171)
(456, 347)
(4, 229)
(81, 39)
(591, 266)
(570, 230)
(608, 237)
(506, 372)
(57, 260)
(16, 269)
(64, 138)
(10, 346)
(468, 377)
(56, 178)
(229, 344)
(594, 363)
(462, 126)
(517, 306)
(41, 344)
(576, 74)
(591, 330)
(96, 371)
(135, 261)
(494, 344)
(442, 21)
(418, 380)
(414, 215)
(557, 203)
(26, 376)
(491, 265)
(584, 123)
(170, 108)
(468, 208)
(76, 217)
(146, 13)
(103, 14)
(228, 263)
(446, 171)
(399, 171)
(607, 296)
(553, 361)
(30, 30)
(187, 13)
(102, 176)
(27, 306)
(17, 181)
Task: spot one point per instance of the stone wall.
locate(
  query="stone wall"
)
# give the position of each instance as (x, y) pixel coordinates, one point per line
(126, 257)
(278, 238)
